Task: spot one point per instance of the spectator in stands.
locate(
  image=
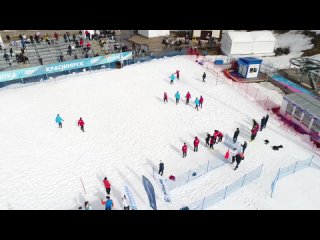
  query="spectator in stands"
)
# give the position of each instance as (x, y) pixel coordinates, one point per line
(0, 47)
(81, 42)
(6, 57)
(20, 37)
(37, 38)
(31, 39)
(8, 38)
(11, 52)
(46, 37)
(24, 37)
(22, 50)
(86, 55)
(77, 44)
(56, 36)
(40, 61)
(75, 56)
(87, 34)
(80, 34)
(74, 37)
(68, 36)
(88, 45)
(61, 58)
(52, 41)
(25, 59)
(65, 37)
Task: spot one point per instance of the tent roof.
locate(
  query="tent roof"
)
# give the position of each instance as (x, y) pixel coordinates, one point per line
(240, 37)
(306, 102)
(263, 36)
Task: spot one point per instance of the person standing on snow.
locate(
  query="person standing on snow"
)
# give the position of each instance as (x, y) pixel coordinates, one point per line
(165, 97)
(196, 144)
(81, 124)
(108, 203)
(87, 205)
(208, 139)
(59, 120)
(177, 97)
(172, 77)
(220, 136)
(215, 135)
(212, 141)
(161, 168)
(263, 120)
(254, 131)
(235, 135)
(226, 156)
(196, 102)
(107, 185)
(234, 152)
(201, 101)
(184, 150)
(188, 96)
(178, 74)
(204, 76)
(244, 146)
(126, 206)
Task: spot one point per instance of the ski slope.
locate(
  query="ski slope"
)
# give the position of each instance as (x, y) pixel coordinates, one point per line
(128, 130)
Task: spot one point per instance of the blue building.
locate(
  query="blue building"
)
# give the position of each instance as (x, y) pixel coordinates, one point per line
(249, 67)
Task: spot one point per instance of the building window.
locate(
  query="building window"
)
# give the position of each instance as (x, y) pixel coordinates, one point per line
(297, 114)
(253, 70)
(316, 126)
(289, 108)
(306, 120)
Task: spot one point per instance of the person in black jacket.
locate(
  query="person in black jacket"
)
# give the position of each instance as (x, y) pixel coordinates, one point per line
(244, 146)
(235, 135)
(239, 158)
(266, 120)
(208, 139)
(204, 76)
(161, 168)
(263, 121)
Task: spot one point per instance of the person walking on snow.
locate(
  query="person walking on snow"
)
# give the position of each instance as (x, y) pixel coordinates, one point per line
(233, 154)
(107, 185)
(212, 141)
(196, 144)
(59, 120)
(108, 203)
(244, 146)
(235, 135)
(165, 97)
(208, 139)
(177, 97)
(204, 76)
(126, 206)
(254, 131)
(81, 124)
(184, 150)
(161, 168)
(263, 120)
(172, 78)
(239, 157)
(196, 102)
(201, 101)
(188, 96)
(178, 74)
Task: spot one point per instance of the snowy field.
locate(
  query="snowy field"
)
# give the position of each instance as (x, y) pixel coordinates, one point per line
(128, 130)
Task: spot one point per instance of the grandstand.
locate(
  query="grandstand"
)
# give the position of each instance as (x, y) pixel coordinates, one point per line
(50, 51)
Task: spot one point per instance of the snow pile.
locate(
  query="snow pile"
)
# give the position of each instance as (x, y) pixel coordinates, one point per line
(316, 31)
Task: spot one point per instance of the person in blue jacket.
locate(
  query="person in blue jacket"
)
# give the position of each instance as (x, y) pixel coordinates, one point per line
(177, 97)
(172, 78)
(59, 120)
(196, 102)
(108, 203)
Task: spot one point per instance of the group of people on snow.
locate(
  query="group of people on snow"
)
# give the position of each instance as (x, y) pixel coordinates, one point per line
(59, 120)
(198, 102)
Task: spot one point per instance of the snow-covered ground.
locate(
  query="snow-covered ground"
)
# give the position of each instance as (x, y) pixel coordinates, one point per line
(128, 130)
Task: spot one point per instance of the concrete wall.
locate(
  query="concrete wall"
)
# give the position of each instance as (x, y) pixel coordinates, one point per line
(153, 33)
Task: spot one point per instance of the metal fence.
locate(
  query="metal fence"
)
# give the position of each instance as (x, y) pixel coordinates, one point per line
(223, 193)
(297, 166)
(195, 173)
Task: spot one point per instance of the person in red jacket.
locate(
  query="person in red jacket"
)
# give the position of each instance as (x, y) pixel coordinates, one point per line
(88, 45)
(165, 97)
(196, 144)
(107, 185)
(215, 135)
(220, 136)
(188, 96)
(212, 142)
(56, 36)
(81, 124)
(178, 74)
(184, 150)
(254, 131)
(81, 42)
(201, 101)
